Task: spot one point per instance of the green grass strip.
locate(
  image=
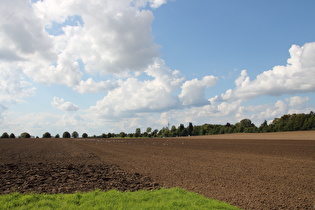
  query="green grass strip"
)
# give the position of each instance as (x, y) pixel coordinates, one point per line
(174, 198)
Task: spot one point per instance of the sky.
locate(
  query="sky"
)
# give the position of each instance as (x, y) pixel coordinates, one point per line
(116, 65)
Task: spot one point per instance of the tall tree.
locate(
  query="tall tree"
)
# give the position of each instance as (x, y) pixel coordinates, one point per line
(138, 132)
(190, 128)
(173, 131)
(263, 127)
(180, 129)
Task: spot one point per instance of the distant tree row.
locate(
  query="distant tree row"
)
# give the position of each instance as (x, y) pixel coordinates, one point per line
(66, 134)
(288, 122)
(12, 136)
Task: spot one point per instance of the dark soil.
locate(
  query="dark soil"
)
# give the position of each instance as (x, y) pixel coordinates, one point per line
(58, 166)
(252, 172)
(55, 178)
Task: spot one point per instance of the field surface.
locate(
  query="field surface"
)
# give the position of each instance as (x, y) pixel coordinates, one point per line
(252, 171)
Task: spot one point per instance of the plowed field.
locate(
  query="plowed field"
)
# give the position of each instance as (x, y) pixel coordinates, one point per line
(252, 171)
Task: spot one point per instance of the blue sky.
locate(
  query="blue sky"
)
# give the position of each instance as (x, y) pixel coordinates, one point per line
(113, 66)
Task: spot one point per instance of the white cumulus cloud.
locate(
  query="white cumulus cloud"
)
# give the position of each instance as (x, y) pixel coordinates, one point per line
(296, 101)
(296, 77)
(59, 103)
(134, 96)
(193, 91)
(13, 85)
(156, 3)
(115, 36)
(22, 35)
(90, 86)
(57, 42)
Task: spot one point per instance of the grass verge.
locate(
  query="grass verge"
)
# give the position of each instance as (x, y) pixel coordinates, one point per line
(174, 198)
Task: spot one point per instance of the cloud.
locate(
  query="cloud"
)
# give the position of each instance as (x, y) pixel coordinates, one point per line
(59, 103)
(143, 3)
(296, 77)
(295, 101)
(115, 36)
(57, 42)
(90, 86)
(134, 96)
(193, 91)
(65, 72)
(263, 112)
(156, 3)
(298, 104)
(13, 86)
(22, 35)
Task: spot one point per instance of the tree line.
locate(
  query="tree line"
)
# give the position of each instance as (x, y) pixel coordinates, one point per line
(288, 122)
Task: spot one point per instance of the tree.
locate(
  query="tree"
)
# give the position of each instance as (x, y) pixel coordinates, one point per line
(173, 131)
(149, 130)
(228, 124)
(122, 134)
(263, 127)
(66, 135)
(75, 134)
(165, 132)
(190, 129)
(5, 135)
(184, 132)
(57, 136)
(155, 132)
(46, 135)
(196, 130)
(12, 136)
(246, 123)
(25, 135)
(180, 129)
(84, 135)
(138, 132)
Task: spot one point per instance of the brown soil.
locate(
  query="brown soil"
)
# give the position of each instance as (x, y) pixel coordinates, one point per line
(252, 171)
(59, 166)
